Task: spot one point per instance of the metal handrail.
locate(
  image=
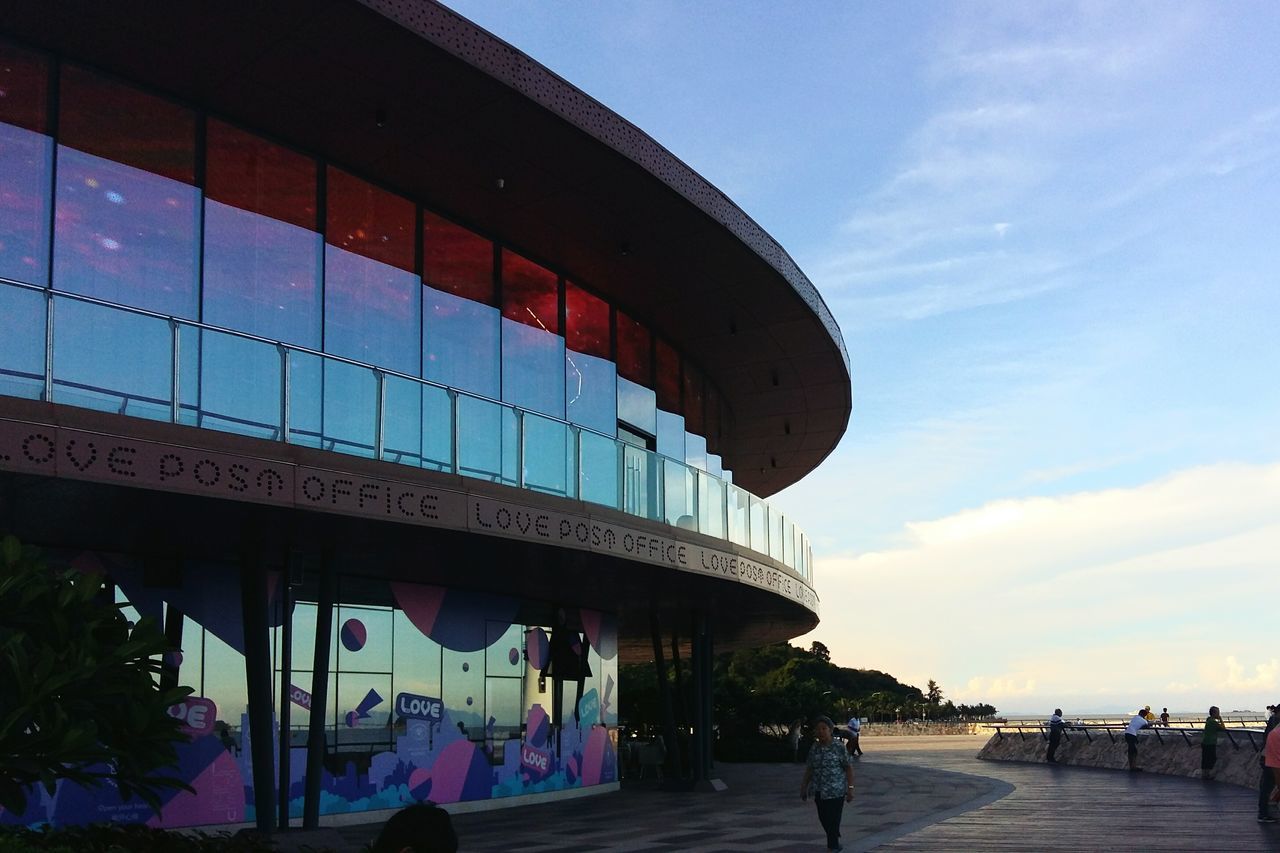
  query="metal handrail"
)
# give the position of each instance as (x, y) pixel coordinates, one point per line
(801, 557)
(1111, 729)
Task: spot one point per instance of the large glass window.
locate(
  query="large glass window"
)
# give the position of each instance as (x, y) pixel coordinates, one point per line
(668, 384)
(26, 155)
(22, 344)
(532, 348)
(261, 249)
(637, 406)
(127, 219)
(591, 396)
(693, 401)
(460, 340)
(373, 305)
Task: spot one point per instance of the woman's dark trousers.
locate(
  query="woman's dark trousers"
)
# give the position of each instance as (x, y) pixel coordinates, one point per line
(829, 812)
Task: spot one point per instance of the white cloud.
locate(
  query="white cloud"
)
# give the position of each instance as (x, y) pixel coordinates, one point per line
(1098, 598)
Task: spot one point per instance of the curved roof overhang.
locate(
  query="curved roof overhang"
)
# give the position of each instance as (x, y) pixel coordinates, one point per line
(411, 94)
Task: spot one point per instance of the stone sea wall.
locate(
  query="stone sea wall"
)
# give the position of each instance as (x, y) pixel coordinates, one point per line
(1169, 752)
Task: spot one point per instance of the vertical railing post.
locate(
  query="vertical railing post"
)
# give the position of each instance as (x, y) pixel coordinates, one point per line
(519, 413)
(175, 384)
(286, 392)
(379, 418)
(574, 479)
(454, 418)
(48, 346)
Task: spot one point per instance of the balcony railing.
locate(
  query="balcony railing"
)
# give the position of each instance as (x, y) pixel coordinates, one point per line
(80, 351)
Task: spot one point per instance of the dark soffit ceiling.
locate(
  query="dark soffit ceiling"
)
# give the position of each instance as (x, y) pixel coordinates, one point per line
(585, 191)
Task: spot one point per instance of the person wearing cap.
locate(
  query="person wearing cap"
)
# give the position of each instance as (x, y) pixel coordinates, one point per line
(828, 776)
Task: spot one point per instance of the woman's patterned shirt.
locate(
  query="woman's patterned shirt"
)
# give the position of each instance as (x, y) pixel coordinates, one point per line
(828, 764)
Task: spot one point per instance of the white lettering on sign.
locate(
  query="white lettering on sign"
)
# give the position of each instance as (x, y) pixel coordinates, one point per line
(414, 707)
(351, 494)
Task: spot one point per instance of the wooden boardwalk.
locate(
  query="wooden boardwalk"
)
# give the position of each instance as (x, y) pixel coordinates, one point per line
(917, 797)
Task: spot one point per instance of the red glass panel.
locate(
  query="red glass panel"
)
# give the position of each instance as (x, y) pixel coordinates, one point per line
(586, 320)
(530, 293)
(456, 260)
(668, 378)
(253, 174)
(120, 123)
(635, 355)
(693, 401)
(24, 81)
(369, 221)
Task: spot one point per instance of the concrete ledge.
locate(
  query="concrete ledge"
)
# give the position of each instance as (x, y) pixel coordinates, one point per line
(1168, 753)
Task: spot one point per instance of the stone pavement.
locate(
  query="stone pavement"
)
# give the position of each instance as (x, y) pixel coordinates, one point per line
(913, 793)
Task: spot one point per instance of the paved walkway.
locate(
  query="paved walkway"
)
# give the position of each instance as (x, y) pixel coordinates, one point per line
(914, 794)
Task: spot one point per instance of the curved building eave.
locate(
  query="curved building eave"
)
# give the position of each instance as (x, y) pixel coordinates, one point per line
(411, 94)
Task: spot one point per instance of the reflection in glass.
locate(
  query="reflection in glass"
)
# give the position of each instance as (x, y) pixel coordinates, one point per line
(635, 350)
(456, 260)
(680, 495)
(598, 460)
(111, 360)
(125, 235)
(22, 345)
(695, 451)
(670, 434)
(306, 398)
(365, 639)
(416, 661)
(261, 276)
(437, 429)
(591, 388)
(775, 533)
(739, 526)
(26, 158)
(586, 320)
(460, 343)
(369, 729)
(371, 312)
(759, 526)
(637, 406)
(239, 385)
(462, 689)
(642, 491)
(532, 368)
(789, 544)
(711, 506)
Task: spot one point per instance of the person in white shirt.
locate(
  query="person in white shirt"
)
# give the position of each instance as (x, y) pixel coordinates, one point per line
(855, 732)
(1138, 723)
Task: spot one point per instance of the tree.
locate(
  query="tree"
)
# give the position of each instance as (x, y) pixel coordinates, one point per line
(820, 651)
(81, 699)
(933, 693)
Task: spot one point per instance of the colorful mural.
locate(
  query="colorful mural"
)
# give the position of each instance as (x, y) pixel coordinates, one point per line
(463, 711)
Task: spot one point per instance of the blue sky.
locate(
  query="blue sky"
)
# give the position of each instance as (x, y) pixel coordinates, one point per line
(1051, 236)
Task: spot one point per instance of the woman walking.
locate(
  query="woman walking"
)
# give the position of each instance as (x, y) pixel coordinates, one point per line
(829, 777)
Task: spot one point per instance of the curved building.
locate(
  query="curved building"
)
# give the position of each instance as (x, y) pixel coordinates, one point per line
(411, 389)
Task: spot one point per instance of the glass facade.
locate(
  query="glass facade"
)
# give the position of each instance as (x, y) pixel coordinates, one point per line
(183, 268)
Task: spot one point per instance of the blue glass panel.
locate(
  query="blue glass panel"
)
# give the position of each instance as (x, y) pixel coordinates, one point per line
(111, 360)
(548, 457)
(350, 408)
(641, 490)
(680, 495)
(402, 421)
(695, 451)
(487, 440)
(306, 394)
(240, 385)
(460, 343)
(22, 344)
(371, 312)
(125, 235)
(789, 544)
(713, 465)
(598, 480)
(670, 434)
(591, 389)
(261, 275)
(437, 429)
(25, 162)
(775, 534)
(759, 526)
(532, 368)
(710, 506)
(638, 406)
(739, 521)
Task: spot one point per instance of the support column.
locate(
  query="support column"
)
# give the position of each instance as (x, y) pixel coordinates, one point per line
(173, 636)
(257, 669)
(664, 693)
(286, 687)
(316, 745)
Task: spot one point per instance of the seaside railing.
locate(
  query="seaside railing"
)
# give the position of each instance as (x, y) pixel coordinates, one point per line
(1236, 735)
(82, 351)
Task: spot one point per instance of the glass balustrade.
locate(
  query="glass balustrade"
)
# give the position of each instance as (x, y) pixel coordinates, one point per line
(85, 352)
